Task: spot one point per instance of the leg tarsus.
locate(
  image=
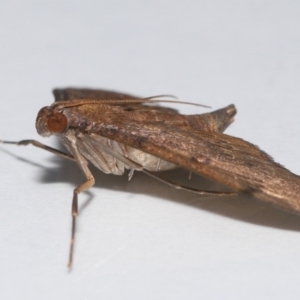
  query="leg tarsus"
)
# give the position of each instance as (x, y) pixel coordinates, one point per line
(86, 185)
(74, 215)
(190, 189)
(41, 146)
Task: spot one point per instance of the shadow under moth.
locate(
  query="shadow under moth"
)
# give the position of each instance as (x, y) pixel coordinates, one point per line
(116, 131)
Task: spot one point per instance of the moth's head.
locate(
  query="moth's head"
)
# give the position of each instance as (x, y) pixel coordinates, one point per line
(50, 122)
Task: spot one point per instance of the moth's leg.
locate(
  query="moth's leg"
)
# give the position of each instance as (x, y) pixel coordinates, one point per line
(83, 187)
(42, 146)
(185, 188)
(86, 185)
(83, 164)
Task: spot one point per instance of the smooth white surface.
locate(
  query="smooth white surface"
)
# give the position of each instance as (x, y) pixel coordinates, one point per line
(142, 239)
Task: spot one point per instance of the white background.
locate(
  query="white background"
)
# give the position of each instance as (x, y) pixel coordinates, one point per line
(142, 239)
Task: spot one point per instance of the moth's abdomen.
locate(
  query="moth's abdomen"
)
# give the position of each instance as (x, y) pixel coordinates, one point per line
(100, 151)
(148, 161)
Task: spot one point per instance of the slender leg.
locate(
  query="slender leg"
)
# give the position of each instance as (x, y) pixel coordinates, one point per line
(185, 188)
(86, 185)
(42, 146)
(83, 187)
(83, 164)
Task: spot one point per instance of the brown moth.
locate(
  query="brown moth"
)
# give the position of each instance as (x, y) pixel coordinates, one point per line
(116, 131)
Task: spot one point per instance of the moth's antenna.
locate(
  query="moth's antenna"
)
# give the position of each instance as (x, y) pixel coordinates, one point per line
(152, 99)
(159, 96)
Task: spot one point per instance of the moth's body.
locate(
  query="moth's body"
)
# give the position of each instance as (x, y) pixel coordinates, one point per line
(115, 132)
(158, 138)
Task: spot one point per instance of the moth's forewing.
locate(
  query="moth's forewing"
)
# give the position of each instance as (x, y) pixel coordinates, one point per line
(228, 160)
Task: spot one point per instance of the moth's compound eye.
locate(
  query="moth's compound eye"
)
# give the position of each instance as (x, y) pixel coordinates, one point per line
(57, 123)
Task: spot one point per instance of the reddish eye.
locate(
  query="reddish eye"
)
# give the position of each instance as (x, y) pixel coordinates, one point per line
(57, 123)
